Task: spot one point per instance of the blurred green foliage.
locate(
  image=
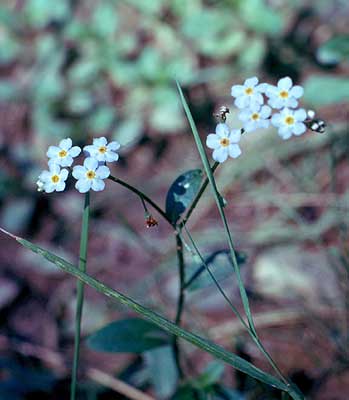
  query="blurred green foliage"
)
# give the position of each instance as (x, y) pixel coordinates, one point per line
(107, 67)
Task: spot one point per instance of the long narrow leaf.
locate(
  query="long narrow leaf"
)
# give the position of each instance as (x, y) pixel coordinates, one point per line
(217, 196)
(212, 348)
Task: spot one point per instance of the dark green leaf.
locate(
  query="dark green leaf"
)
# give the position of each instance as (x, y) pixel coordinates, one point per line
(132, 335)
(182, 192)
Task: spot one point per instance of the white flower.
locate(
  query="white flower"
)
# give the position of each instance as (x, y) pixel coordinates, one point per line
(284, 94)
(256, 117)
(290, 122)
(52, 180)
(90, 176)
(224, 143)
(102, 151)
(249, 94)
(64, 153)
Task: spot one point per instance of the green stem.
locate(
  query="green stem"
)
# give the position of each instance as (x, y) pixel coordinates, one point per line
(143, 196)
(80, 294)
(180, 302)
(197, 197)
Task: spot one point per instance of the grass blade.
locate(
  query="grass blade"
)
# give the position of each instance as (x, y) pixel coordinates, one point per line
(204, 344)
(217, 196)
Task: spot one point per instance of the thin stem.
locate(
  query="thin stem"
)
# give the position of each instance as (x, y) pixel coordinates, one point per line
(143, 196)
(180, 301)
(197, 197)
(253, 336)
(80, 294)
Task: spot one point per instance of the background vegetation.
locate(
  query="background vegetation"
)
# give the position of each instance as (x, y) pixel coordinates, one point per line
(87, 68)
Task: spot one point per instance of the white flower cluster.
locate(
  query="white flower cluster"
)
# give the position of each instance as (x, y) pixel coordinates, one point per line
(250, 98)
(89, 176)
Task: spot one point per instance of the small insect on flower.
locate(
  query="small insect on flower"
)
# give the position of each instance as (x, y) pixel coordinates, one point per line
(222, 114)
(290, 122)
(90, 176)
(64, 153)
(102, 151)
(249, 94)
(52, 180)
(255, 117)
(284, 94)
(224, 143)
(315, 124)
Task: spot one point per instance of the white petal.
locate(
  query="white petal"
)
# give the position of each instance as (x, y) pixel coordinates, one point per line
(276, 119)
(212, 141)
(83, 185)
(271, 91)
(75, 151)
(234, 150)
(98, 185)
(263, 123)
(91, 149)
(103, 172)
(262, 87)
(291, 102)
(258, 98)
(250, 126)
(102, 141)
(113, 146)
(241, 102)
(53, 151)
(265, 112)
(297, 92)
(220, 154)
(237, 90)
(67, 161)
(285, 83)
(300, 114)
(45, 176)
(235, 135)
(244, 115)
(55, 169)
(65, 144)
(285, 132)
(222, 130)
(299, 128)
(49, 187)
(277, 103)
(110, 156)
(60, 186)
(64, 174)
(251, 82)
(91, 163)
(79, 172)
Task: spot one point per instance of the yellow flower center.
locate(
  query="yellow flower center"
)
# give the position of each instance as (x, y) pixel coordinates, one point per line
(289, 120)
(90, 174)
(249, 91)
(255, 116)
(55, 178)
(284, 94)
(62, 153)
(224, 142)
(102, 149)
